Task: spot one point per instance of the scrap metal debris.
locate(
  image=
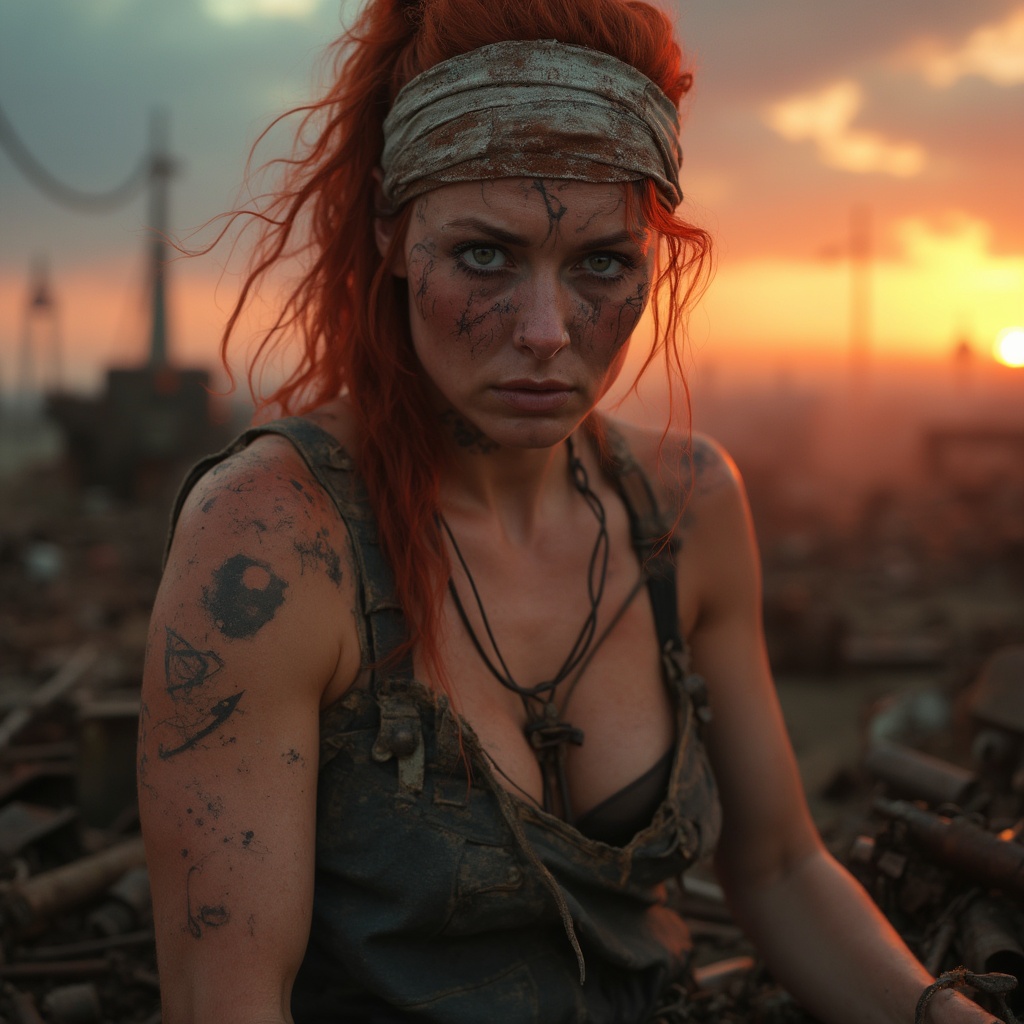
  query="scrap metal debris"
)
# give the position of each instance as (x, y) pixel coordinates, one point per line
(931, 819)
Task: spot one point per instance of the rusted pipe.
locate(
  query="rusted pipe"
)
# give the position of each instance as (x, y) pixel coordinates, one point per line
(989, 939)
(717, 975)
(918, 776)
(42, 896)
(74, 1004)
(66, 677)
(56, 969)
(961, 845)
(88, 947)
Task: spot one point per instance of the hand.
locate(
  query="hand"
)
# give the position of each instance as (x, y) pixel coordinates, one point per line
(957, 1007)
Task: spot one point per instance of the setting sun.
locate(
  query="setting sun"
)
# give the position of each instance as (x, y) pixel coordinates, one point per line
(1009, 347)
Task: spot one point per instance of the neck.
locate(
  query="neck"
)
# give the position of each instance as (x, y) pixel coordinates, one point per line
(520, 488)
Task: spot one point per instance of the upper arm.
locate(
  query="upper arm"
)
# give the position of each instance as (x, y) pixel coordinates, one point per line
(766, 825)
(244, 639)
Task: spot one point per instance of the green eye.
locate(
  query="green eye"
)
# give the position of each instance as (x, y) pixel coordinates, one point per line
(604, 264)
(482, 257)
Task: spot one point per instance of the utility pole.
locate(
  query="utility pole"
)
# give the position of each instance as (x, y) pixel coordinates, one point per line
(161, 168)
(40, 330)
(860, 297)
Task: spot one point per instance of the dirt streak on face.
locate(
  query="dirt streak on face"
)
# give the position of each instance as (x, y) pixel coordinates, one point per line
(523, 294)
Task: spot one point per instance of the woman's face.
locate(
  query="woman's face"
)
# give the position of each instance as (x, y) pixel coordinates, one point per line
(522, 296)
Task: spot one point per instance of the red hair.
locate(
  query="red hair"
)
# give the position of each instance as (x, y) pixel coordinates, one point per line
(348, 313)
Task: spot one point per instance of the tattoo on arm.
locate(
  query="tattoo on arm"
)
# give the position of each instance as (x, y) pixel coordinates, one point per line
(187, 670)
(186, 667)
(203, 915)
(219, 714)
(245, 596)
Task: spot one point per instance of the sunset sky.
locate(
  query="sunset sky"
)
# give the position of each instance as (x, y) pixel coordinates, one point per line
(803, 112)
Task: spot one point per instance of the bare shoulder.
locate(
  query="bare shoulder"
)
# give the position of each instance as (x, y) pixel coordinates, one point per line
(260, 556)
(693, 475)
(251, 634)
(263, 497)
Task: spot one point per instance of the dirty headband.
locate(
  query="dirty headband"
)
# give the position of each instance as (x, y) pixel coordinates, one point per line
(537, 109)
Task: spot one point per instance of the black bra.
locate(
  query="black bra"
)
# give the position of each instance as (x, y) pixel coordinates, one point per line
(618, 818)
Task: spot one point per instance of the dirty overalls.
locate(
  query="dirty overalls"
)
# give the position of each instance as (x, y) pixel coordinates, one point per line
(439, 895)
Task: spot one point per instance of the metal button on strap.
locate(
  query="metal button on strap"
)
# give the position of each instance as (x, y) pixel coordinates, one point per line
(401, 736)
(403, 742)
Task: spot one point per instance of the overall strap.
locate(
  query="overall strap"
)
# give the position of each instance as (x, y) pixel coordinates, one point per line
(381, 624)
(658, 557)
(648, 530)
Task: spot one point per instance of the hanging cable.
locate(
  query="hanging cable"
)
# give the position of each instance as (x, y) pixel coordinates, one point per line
(57, 190)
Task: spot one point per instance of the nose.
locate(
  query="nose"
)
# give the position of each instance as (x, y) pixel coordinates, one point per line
(542, 327)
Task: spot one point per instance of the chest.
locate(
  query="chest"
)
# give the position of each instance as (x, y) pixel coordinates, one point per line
(525, 619)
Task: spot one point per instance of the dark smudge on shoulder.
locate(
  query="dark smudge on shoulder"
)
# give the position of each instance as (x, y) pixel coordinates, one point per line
(244, 597)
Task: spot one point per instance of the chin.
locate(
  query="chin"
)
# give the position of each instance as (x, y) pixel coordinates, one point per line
(532, 433)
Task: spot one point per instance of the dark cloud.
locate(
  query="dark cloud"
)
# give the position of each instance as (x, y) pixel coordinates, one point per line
(750, 52)
(769, 196)
(79, 81)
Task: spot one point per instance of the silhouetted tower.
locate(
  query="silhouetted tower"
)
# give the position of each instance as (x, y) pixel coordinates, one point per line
(963, 362)
(860, 295)
(161, 168)
(40, 368)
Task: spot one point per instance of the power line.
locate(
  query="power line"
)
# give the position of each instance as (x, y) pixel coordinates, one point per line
(57, 190)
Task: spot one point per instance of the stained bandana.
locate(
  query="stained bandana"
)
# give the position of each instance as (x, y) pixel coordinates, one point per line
(536, 109)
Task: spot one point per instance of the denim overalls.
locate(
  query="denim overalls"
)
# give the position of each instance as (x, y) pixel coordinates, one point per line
(439, 895)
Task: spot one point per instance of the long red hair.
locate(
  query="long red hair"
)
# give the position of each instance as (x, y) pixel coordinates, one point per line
(348, 314)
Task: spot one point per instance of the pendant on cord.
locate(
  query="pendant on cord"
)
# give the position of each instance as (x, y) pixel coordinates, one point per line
(550, 738)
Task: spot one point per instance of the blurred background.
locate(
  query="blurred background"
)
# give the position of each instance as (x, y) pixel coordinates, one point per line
(860, 351)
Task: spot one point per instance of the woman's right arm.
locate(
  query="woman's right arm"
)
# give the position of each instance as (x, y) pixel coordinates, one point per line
(248, 633)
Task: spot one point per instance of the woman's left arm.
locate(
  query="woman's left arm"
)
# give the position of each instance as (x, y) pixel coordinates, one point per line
(816, 928)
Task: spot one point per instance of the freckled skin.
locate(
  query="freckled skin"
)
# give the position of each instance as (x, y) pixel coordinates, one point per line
(513, 280)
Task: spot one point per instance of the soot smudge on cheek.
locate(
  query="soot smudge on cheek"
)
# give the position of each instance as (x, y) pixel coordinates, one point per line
(422, 261)
(483, 325)
(630, 312)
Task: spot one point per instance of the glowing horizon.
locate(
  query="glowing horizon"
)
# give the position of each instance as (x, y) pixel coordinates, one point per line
(890, 114)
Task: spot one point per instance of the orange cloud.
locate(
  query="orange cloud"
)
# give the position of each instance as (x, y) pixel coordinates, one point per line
(826, 117)
(943, 278)
(994, 51)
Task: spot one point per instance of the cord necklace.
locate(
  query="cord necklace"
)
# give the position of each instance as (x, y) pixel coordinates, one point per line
(546, 734)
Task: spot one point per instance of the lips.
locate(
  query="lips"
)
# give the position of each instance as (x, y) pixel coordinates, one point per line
(526, 395)
(528, 384)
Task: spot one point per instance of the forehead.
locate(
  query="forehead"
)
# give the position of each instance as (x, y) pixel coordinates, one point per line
(528, 204)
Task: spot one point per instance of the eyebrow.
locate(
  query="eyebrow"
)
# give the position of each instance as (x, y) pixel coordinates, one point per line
(638, 238)
(511, 238)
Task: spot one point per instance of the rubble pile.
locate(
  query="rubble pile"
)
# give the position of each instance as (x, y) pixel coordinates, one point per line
(932, 825)
(76, 939)
(931, 819)
(942, 850)
(77, 579)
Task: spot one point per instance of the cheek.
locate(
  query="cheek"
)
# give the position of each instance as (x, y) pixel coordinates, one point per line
(605, 322)
(421, 262)
(476, 317)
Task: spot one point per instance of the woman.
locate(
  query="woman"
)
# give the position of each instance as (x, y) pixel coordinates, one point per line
(419, 739)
